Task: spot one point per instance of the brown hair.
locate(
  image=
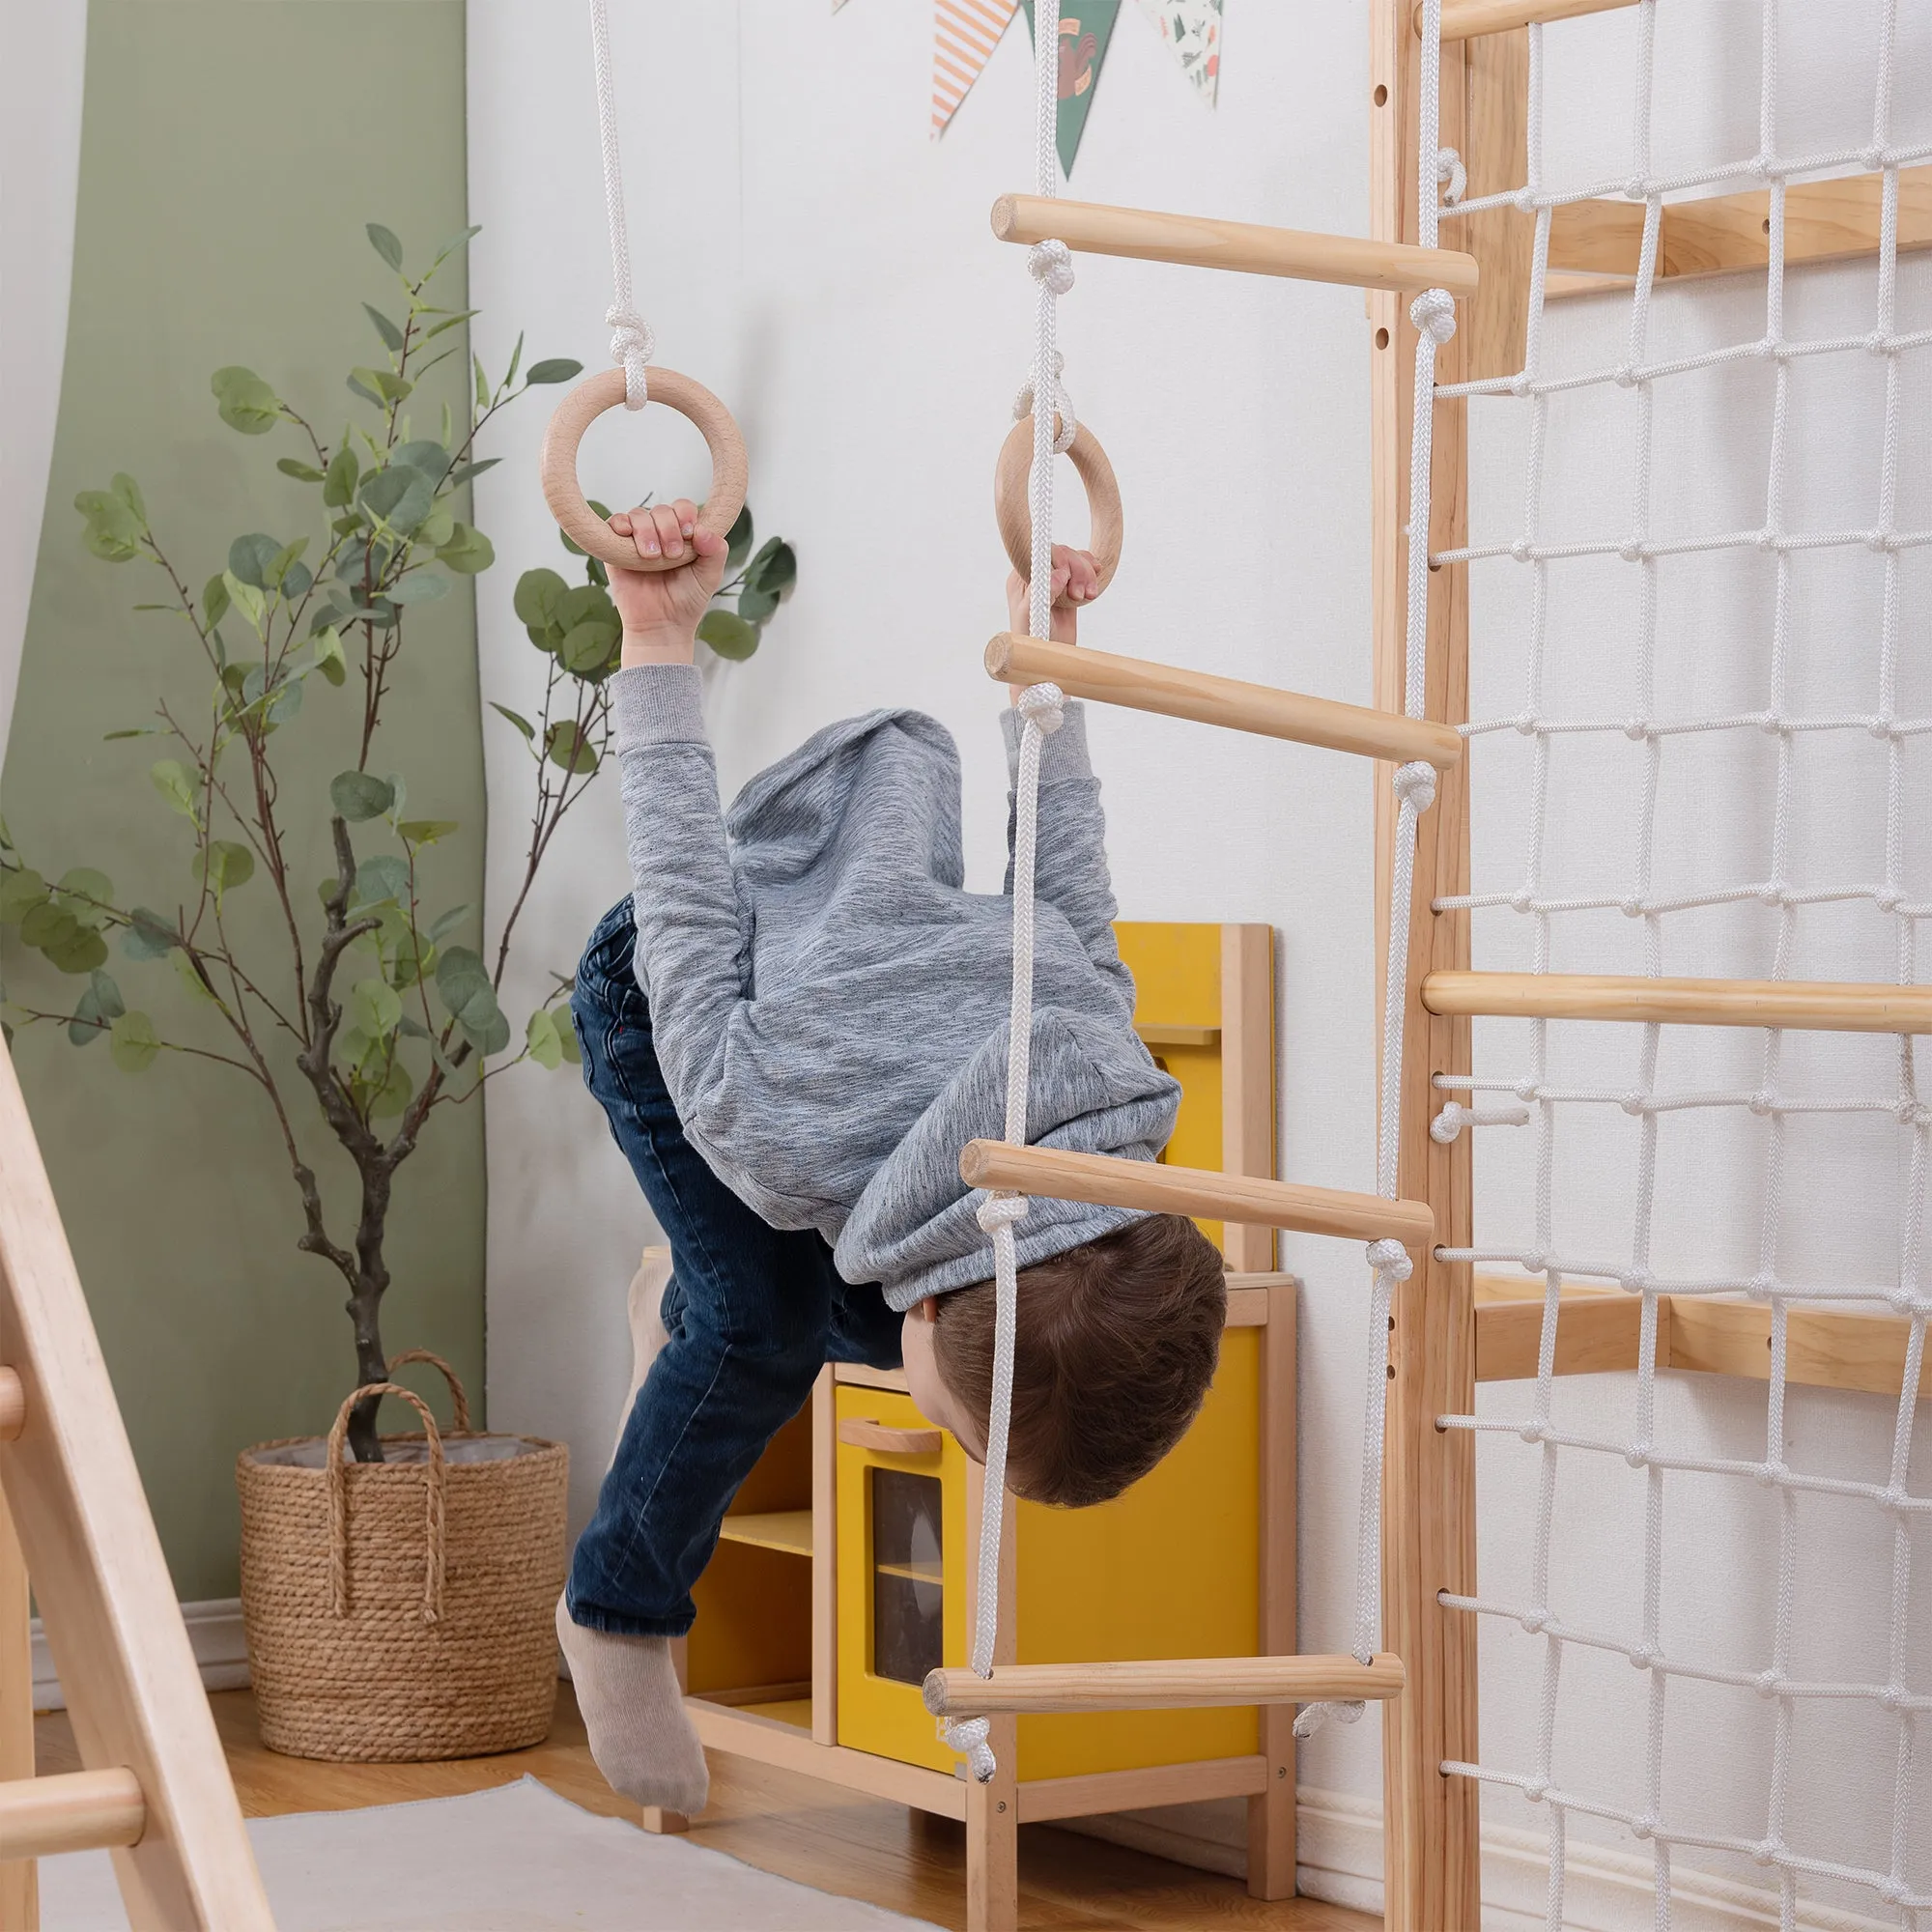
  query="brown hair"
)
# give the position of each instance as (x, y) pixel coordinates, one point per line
(1116, 1347)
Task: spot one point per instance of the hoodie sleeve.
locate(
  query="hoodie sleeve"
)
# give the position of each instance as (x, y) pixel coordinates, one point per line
(1070, 851)
(693, 942)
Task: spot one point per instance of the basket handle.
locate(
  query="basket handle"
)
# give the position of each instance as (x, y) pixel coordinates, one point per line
(338, 1501)
(458, 1399)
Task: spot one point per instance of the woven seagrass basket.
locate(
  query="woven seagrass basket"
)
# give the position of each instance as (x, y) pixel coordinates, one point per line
(403, 1609)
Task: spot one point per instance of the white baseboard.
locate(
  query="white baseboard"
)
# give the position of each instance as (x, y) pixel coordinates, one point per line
(213, 1632)
(1339, 1857)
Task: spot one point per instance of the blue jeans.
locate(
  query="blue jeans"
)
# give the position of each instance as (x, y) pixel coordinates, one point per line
(753, 1313)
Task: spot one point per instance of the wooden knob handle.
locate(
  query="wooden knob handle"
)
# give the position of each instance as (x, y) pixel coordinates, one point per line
(1015, 513)
(588, 401)
(861, 1435)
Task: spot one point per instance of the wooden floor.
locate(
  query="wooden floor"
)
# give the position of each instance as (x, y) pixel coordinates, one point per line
(901, 1860)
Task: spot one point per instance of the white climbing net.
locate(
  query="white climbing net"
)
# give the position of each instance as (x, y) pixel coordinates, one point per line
(1836, 1700)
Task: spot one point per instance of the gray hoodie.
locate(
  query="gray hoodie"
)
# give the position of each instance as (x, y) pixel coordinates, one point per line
(830, 1005)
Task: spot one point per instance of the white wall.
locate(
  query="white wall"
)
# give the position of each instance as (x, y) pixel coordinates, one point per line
(43, 51)
(805, 250)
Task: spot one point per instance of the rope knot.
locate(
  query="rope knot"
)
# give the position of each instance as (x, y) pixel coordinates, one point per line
(1452, 176)
(1389, 1256)
(1041, 706)
(1434, 313)
(1051, 262)
(633, 345)
(968, 1737)
(1062, 404)
(1313, 1717)
(1415, 785)
(1002, 1211)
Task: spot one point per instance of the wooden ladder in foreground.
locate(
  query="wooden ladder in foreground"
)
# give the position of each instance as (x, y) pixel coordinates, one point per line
(157, 1790)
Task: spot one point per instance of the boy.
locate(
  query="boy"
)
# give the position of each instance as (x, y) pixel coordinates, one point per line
(793, 1029)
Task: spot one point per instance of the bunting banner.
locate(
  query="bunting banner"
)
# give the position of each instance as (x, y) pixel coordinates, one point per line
(1085, 26)
(1192, 31)
(965, 35)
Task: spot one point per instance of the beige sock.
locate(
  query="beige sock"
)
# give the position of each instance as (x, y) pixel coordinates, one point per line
(633, 1707)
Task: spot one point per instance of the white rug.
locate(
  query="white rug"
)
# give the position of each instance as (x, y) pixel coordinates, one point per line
(519, 1858)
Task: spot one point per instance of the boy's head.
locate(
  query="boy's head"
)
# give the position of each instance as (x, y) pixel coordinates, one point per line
(1116, 1347)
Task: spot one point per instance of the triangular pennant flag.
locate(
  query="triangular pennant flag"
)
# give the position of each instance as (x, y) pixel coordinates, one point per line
(1085, 26)
(965, 35)
(1192, 29)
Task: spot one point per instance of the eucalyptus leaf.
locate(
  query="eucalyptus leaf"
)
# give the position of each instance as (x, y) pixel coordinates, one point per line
(392, 336)
(540, 1035)
(385, 245)
(399, 497)
(554, 369)
(378, 878)
(775, 568)
(420, 587)
(49, 925)
(148, 935)
(587, 647)
(79, 952)
(729, 636)
(539, 597)
(133, 1042)
(113, 531)
(424, 454)
(463, 471)
(302, 473)
(172, 781)
(329, 658)
(244, 401)
(393, 1095)
(447, 923)
(224, 864)
(739, 539)
(376, 1006)
(196, 987)
(360, 796)
(566, 746)
(468, 552)
(86, 893)
(21, 889)
(426, 831)
(339, 485)
(252, 558)
(755, 606)
(214, 600)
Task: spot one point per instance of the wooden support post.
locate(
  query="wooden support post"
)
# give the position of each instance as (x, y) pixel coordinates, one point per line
(1430, 1820)
(993, 1810)
(1227, 702)
(1165, 1684)
(19, 1880)
(133, 1692)
(1272, 1809)
(1110, 1182)
(1198, 242)
(1465, 20)
(1496, 322)
(824, 1560)
(1247, 1089)
(1819, 1005)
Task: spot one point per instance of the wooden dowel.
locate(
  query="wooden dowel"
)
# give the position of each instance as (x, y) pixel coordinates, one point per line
(1247, 247)
(1819, 1005)
(1227, 702)
(1465, 20)
(1057, 1175)
(1181, 1684)
(13, 1405)
(72, 1811)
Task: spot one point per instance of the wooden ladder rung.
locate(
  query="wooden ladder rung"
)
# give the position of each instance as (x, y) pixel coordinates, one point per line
(1055, 1173)
(1227, 702)
(1181, 1684)
(69, 1812)
(1465, 20)
(1818, 1005)
(1200, 242)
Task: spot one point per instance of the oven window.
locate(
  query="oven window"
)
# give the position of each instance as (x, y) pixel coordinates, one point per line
(908, 1593)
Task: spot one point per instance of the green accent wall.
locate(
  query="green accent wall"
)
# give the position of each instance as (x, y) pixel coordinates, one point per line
(232, 152)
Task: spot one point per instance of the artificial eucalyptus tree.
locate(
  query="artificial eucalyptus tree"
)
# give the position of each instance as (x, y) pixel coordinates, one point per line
(364, 997)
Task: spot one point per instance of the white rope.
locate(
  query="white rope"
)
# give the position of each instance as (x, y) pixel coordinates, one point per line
(1050, 263)
(1533, 1100)
(633, 344)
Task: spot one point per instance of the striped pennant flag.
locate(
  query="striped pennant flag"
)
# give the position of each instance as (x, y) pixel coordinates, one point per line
(965, 35)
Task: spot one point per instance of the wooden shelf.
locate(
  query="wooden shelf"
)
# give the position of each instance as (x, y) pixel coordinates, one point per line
(788, 1530)
(913, 1573)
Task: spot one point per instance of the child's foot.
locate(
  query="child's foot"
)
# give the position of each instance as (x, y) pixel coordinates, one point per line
(633, 1707)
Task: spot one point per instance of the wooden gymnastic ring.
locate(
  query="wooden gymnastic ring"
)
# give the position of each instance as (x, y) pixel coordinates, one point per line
(588, 401)
(1015, 513)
